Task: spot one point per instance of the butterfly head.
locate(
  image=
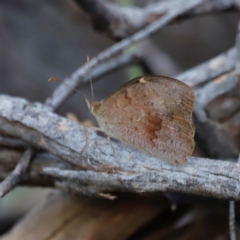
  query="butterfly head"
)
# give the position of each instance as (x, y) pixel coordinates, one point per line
(93, 106)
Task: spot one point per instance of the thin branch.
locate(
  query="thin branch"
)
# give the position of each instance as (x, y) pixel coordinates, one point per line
(61, 93)
(232, 228)
(12, 142)
(139, 173)
(102, 69)
(80, 189)
(14, 177)
(119, 23)
(80, 76)
(219, 86)
(215, 6)
(34, 176)
(210, 69)
(200, 74)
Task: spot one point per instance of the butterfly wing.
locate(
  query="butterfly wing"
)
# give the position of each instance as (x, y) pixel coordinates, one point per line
(152, 114)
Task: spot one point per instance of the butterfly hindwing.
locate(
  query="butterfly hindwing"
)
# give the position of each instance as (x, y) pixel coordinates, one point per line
(152, 114)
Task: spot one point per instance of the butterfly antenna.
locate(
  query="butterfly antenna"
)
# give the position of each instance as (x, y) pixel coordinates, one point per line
(76, 90)
(90, 76)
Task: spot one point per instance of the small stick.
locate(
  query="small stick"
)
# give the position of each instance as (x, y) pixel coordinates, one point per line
(12, 142)
(232, 228)
(15, 176)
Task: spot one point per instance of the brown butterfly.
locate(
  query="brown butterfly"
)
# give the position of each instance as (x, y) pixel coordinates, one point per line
(152, 114)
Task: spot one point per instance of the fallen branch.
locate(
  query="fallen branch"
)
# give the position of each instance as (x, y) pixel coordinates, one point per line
(139, 172)
(200, 176)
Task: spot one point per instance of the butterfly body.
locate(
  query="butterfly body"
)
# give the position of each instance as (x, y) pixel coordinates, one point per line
(152, 114)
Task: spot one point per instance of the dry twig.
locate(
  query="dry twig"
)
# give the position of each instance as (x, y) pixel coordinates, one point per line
(15, 176)
(119, 23)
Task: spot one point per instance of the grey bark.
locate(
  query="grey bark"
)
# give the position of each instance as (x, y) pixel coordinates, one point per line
(139, 172)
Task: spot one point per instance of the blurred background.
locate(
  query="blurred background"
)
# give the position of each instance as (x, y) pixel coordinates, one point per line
(43, 39)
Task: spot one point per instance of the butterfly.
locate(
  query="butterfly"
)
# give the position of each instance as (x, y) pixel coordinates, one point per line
(152, 114)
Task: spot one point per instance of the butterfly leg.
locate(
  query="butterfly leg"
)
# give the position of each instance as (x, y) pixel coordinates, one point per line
(85, 132)
(110, 143)
(96, 129)
(89, 161)
(118, 161)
